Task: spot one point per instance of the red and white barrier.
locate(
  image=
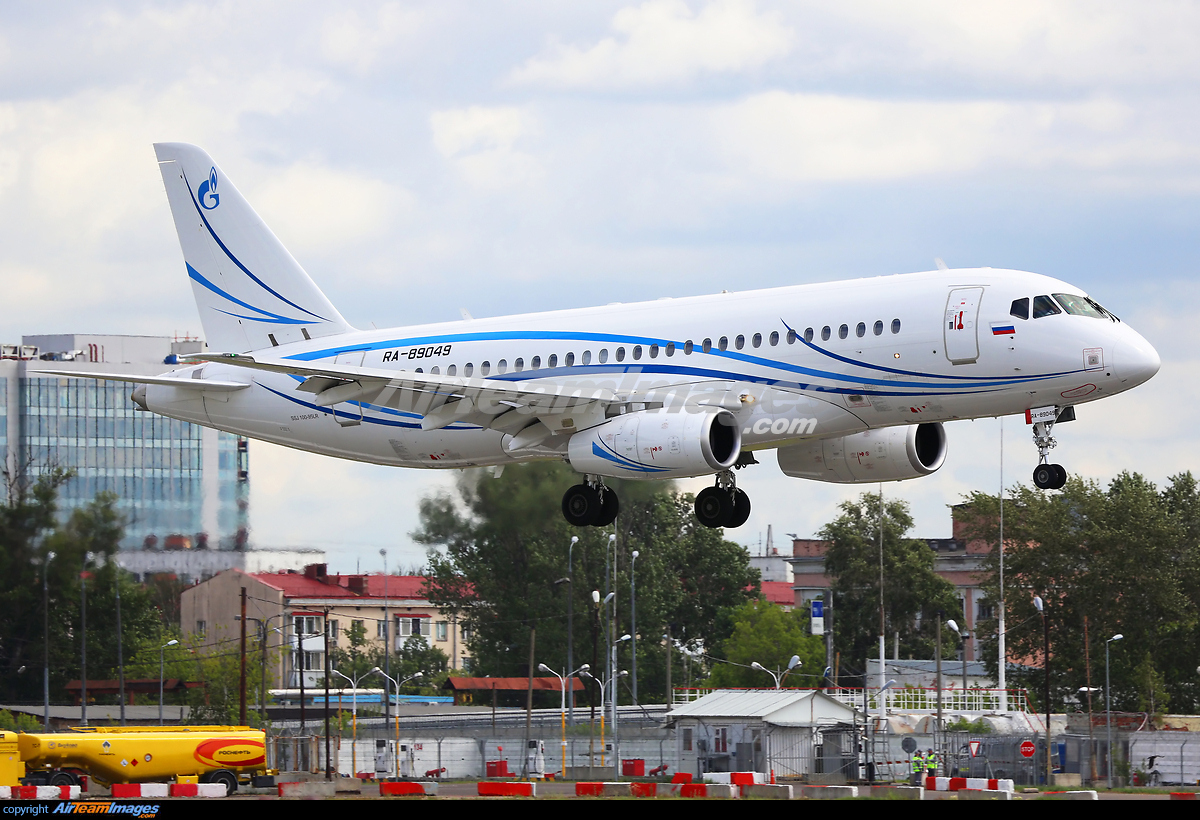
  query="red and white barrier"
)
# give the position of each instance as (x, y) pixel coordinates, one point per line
(39, 792)
(955, 784)
(490, 788)
(158, 790)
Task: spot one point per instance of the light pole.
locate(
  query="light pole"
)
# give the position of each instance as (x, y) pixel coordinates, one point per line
(962, 636)
(263, 630)
(1040, 606)
(120, 649)
(387, 642)
(1108, 706)
(781, 674)
(171, 642)
(397, 685)
(562, 709)
(87, 557)
(570, 619)
(354, 714)
(612, 684)
(46, 637)
(1088, 690)
(633, 618)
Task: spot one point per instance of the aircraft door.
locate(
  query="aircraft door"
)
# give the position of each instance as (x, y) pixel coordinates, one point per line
(960, 325)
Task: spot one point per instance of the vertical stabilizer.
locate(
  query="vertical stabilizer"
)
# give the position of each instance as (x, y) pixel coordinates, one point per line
(250, 292)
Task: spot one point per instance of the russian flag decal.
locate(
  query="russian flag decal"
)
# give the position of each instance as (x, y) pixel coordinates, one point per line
(1003, 329)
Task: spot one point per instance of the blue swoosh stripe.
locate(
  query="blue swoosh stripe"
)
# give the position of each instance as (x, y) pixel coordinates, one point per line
(368, 406)
(621, 461)
(237, 261)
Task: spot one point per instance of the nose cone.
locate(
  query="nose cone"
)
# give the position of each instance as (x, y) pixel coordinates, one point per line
(1137, 361)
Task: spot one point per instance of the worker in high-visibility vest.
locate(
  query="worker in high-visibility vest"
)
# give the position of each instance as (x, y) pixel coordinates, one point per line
(931, 764)
(917, 763)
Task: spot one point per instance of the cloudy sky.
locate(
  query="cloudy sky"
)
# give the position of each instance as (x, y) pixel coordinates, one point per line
(503, 157)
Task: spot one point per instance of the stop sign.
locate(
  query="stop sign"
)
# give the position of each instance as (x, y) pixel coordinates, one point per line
(1027, 748)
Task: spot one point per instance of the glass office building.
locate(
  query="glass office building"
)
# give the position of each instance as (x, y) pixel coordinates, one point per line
(178, 485)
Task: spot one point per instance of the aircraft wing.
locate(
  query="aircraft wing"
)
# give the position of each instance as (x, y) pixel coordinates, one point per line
(167, 381)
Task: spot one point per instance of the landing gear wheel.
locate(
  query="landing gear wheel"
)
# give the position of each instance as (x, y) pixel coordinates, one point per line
(63, 779)
(1044, 476)
(1060, 477)
(226, 778)
(714, 507)
(581, 505)
(741, 509)
(609, 507)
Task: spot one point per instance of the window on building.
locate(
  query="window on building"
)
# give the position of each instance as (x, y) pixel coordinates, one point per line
(306, 626)
(201, 628)
(332, 627)
(687, 739)
(443, 631)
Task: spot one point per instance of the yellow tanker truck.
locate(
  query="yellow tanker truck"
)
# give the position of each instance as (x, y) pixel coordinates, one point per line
(138, 754)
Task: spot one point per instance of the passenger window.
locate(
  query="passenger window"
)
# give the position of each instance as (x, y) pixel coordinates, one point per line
(687, 348)
(637, 352)
(774, 338)
(451, 370)
(468, 369)
(653, 351)
(895, 325)
(878, 328)
(485, 368)
(707, 345)
(843, 332)
(435, 370)
(670, 349)
(501, 365)
(620, 354)
(825, 333)
(756, 340)
(603, 355)
(587, 357)
(808, 334)
(860, 330)
(552, 361)
(536, 362)
(739, 342)
(420, 370)
(791, 337)
(519, 365)
(1020, 308)
(1044, 306)
(723, 344)
(569, 359)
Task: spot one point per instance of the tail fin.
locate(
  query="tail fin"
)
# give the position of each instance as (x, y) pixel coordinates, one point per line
(250, 292)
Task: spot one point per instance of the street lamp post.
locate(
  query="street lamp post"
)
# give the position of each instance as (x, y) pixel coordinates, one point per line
(782, 673)
(354, 714)
(611, 684)
(963, 635)
(633, 619)
(1108, 706)
(83, 640)
(397, 685)
(1040, 606)
(570, 625)
(46, 638)
(171, 642)
(562, 709)
(387, 642)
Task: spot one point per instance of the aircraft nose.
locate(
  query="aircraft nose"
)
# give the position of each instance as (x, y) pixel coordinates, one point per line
(1137, 362)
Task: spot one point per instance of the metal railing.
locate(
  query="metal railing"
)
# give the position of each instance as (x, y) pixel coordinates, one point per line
(908, 699)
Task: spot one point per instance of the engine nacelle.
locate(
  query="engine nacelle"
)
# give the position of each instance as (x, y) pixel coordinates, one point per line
(658, 444)
(890, 454)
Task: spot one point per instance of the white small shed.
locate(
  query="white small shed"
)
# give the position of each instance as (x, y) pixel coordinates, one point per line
(764, 730)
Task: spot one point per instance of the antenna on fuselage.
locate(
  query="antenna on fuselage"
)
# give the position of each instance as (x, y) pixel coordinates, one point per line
(941, 265)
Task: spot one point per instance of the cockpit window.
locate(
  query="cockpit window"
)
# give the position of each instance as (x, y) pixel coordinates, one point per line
(1077, 305)
(1044, 306)
(1020, 308)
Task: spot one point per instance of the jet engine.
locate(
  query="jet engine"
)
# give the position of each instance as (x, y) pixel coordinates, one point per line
(658, 444)
(890, 454)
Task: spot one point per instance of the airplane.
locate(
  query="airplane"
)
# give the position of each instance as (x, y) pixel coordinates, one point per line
(848, 381)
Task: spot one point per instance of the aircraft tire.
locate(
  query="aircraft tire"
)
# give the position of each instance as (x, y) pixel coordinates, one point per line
(610, 505)
(581, 505)
(1044, 476)
(1060, 477)
(714, 507)
(741, 509)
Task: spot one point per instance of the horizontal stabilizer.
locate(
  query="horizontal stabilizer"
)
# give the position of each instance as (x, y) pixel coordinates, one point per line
(167, 381)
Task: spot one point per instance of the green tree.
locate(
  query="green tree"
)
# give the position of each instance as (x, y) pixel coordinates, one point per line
(1125, 558)
(766, 634)
(913, 594)
(500, 553)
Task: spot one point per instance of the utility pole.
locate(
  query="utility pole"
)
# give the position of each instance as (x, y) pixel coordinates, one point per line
(242, 677)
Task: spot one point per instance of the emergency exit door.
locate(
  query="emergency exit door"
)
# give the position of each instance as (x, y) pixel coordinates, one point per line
(961, 324)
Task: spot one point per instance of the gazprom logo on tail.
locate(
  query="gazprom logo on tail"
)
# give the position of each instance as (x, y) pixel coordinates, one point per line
(207, 194)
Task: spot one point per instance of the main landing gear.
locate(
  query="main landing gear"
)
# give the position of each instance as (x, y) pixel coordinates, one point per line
(723, 505)
(1047, 476)
(590, 504)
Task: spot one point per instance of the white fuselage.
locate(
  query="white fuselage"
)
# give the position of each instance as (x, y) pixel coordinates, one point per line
(921, 347)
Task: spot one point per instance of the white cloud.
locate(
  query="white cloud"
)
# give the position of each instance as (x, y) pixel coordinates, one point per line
(360, 44)
(823, 137)
(665, 41)
(480, 142)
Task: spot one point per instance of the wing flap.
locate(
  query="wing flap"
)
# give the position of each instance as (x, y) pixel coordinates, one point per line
(215, 385)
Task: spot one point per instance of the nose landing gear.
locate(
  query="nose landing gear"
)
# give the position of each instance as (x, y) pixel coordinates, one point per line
(1048, 476)
(723, 505)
